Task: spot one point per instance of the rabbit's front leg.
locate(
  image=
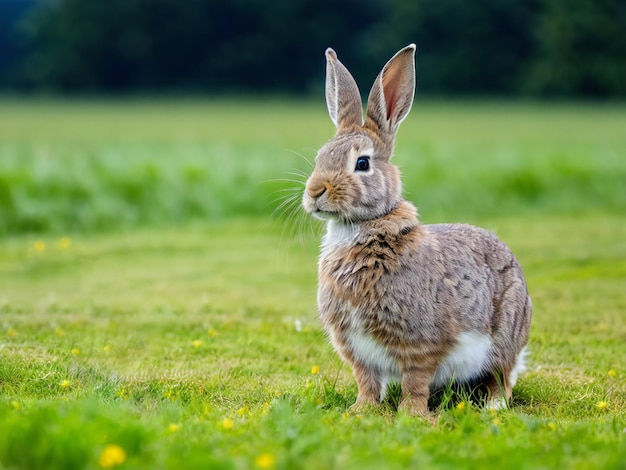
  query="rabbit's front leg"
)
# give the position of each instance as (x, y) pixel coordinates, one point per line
(415, 389)
(370, 386)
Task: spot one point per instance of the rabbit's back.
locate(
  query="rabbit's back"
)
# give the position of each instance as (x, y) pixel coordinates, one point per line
(471, 269)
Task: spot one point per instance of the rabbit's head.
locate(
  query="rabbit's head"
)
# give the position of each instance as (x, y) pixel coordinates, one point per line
(354, 179)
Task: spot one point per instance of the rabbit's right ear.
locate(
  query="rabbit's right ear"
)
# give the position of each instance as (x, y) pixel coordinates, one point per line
(392, 94)
(342, 94)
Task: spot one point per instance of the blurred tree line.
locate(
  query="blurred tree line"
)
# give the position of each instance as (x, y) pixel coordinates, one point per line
(505, 47)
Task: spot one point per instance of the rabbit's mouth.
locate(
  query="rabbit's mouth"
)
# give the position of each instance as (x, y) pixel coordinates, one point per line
(312, 206)
(325, 215)
(328, 216)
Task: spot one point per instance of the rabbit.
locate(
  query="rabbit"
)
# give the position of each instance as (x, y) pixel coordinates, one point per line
(420, 305)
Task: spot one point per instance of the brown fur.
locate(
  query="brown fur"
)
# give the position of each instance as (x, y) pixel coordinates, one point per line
(397, 297)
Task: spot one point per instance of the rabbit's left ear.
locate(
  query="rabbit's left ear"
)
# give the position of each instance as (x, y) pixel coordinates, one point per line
(342, 94)
(392, 94)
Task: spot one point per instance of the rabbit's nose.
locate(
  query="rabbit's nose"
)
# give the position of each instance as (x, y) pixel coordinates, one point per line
(316, 190)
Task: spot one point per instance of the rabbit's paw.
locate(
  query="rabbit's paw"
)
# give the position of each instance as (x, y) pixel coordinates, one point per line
(363, 405)
(418, 409)
(496, 403)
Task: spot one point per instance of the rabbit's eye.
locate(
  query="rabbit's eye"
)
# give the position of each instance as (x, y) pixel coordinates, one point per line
(362, 164)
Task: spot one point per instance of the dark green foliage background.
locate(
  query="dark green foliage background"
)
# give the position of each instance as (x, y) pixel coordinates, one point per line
(503, 47)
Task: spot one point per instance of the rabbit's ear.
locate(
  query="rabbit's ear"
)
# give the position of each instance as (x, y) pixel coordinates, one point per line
(392, 94)
(342, 94)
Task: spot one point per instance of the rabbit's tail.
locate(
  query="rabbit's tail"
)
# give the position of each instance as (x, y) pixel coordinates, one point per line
(520, 366)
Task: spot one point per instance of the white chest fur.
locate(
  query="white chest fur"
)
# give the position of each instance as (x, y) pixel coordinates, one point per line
(337, 235)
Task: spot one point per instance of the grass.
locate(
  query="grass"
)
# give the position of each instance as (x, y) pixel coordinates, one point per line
(91, 166)
(192, 340)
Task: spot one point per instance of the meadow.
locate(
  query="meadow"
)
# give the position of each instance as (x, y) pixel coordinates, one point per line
(157, 298)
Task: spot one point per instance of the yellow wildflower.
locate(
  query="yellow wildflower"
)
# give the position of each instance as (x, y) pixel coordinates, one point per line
(227, 424)
(460, 405)
(496, 421)
(65, 243)
(552, 426)
(173, 427)
(197, 343)
(315, 370)
(612, 373)
(601, 405)
(277, 393)
(65, 383)
(242, 411)
(106, 349)
(265, 460)
(111, 456)
(39, 246)
(75, 351)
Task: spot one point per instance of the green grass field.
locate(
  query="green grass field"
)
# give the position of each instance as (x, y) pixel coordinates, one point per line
(155, 313)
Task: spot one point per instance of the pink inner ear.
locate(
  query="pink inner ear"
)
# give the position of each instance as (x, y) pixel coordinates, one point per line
(391, 85)
(390, 99)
